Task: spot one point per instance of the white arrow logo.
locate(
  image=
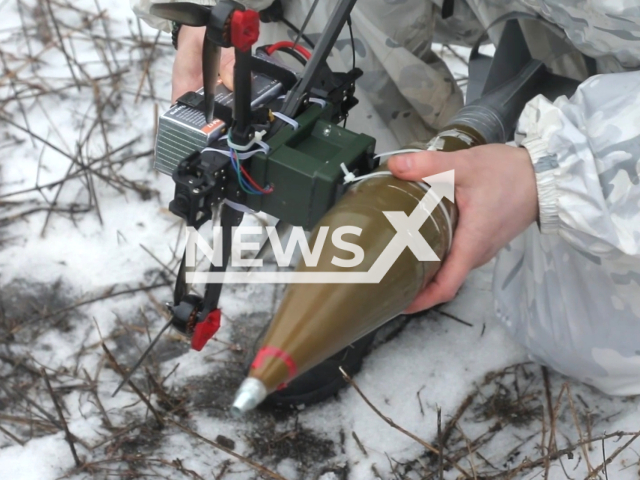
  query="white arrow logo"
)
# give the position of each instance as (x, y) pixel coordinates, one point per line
(442, 186)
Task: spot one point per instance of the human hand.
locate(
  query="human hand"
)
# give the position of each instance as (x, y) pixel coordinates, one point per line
(187, 66)
(227, 62)
(496, 196)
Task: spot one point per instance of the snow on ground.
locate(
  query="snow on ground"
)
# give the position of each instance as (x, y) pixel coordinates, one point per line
(65, 278)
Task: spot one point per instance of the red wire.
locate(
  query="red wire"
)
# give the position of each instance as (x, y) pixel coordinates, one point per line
(254, 184)
(251, 180)
(277, 46)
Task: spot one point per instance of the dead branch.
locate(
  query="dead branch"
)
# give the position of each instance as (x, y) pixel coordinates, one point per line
(12, 436)
(259, 468)
(67, 433)
(137, 391)
(610, 459)
(392, 424)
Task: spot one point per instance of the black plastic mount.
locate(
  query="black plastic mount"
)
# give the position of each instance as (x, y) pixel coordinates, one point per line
(201, 184)
(218, 27)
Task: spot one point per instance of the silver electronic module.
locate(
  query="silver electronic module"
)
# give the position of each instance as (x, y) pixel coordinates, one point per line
(183, 129)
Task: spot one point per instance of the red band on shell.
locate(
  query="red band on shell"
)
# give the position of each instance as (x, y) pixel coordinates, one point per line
(266, 352)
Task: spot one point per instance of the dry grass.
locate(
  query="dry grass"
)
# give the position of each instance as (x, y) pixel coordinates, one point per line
(34, 399)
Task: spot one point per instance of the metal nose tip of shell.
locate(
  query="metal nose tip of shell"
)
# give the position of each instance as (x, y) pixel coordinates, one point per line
(250, 394)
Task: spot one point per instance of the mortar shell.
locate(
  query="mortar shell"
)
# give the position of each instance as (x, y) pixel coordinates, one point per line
(315, 321)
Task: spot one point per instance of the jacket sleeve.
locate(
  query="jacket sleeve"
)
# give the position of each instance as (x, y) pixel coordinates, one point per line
(141, 9)
(586, 153)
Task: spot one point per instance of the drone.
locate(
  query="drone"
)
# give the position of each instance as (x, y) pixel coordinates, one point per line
(271, 145)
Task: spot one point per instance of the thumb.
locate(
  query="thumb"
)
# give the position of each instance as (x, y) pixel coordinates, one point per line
(416, 166)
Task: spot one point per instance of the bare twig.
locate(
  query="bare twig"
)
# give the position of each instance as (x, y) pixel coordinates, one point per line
(552, 421)
(146, 67)
(15, 90)
(461, 409)
(259, 468)
(441, 446)
(470, 450)
(529, 464)
(94, 392)
(420, 404)
(61, 43)
(610, 459)
(47, 415)
(359, 443)
(223, 470)
(12, 436)
(394, 425)
(604, 455)
(108, 295)
(67, 433)
(574, 413)
(137, 391)
(453, 317)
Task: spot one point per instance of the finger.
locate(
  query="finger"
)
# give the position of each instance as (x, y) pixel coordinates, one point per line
(416, 166)
(187, 66)
(227, 62)
(187, 75)
(447, 281)
(182, 85)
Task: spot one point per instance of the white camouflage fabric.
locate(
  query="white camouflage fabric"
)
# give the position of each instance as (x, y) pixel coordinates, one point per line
(568, 289)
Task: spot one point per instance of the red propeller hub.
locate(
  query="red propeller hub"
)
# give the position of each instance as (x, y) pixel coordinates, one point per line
(245, 29)
(204, 331)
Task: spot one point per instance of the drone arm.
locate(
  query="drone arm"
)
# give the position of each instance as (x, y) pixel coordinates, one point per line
(319, 58)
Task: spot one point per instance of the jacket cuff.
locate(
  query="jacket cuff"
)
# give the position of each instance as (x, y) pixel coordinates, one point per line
(545, 166)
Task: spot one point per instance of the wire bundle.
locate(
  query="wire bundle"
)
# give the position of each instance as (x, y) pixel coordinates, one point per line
(247, 184)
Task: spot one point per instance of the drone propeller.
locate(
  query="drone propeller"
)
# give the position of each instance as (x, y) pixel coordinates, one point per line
(210, 70)
(196, 15)
(183, 13)
(142, 358)
(179, 293)
(181, 288)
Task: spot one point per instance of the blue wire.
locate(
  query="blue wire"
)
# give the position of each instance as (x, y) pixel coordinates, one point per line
(244, 185)
(235, 162)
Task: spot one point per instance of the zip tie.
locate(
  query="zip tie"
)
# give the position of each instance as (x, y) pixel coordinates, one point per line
(349, 177)
(436, 144)
(257, 137)
(264, 145)
(240, 156)
(286, 119)
(397, 152)
(319, 101)
(265, 148)
(371, 175)
(237, 206)
(457, 134)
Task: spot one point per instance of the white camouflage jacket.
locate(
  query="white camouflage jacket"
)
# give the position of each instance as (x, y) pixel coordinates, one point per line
(568, 290)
